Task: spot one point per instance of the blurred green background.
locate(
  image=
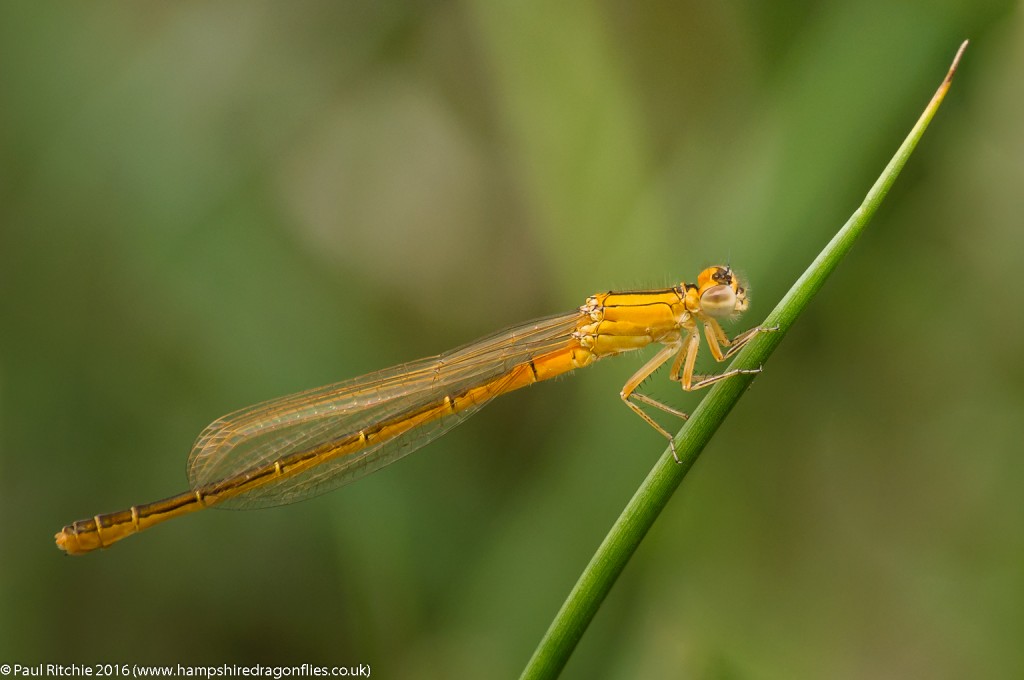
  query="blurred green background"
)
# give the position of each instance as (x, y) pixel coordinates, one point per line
(205, 205)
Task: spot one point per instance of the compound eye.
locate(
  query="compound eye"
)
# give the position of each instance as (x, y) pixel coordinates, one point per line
(718, 301)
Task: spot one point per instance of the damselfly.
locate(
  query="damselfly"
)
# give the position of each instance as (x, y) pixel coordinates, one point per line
(302, 445)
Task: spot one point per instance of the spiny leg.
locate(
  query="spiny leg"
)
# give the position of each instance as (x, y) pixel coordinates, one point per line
(715, 336)
(657, 404)
(682, 371)
(718, 339)
(629, 393)
(703, 381)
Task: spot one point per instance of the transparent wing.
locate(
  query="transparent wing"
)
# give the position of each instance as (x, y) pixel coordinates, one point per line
(259, 435)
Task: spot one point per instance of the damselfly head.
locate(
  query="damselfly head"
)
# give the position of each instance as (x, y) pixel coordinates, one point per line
(721, 294)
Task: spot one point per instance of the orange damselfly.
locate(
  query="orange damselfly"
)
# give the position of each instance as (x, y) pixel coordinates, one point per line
(305, 444)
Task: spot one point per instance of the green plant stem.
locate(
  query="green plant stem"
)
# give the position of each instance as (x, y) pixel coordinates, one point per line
(640, 513)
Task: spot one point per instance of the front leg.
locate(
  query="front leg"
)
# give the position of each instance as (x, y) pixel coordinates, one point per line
(682, 369)
(718, 339)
